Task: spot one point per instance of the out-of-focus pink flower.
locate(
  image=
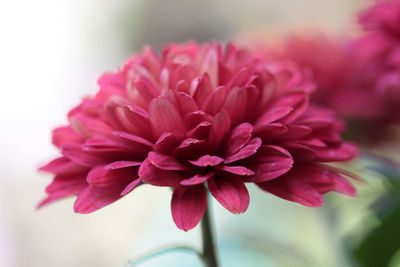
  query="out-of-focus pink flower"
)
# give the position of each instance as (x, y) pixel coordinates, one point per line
(379, 52)
(383, 17)
(336, 70)
(198, 118)
(358, 78)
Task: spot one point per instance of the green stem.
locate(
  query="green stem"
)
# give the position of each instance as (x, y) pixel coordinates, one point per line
(209, 248)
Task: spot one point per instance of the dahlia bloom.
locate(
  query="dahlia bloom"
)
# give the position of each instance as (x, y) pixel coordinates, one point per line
(199, 118)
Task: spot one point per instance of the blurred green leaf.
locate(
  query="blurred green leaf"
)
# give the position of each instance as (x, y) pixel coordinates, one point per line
(381, 244)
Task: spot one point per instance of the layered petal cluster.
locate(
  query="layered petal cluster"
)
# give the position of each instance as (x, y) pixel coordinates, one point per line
(200, 118)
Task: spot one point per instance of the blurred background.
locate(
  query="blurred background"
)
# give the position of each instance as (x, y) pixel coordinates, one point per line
(51, 55)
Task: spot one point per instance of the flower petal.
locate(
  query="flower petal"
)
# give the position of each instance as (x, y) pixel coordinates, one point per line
(188, 205)
(164, 117)
(238, 170)
(65, 134)
(215, 101)
(197, 179)
(248, 150)
(94, 198)
(201, 131)
(240, 136)
(271, 162)
(303, 194)
(231, 192)
(344, 187)
(102, 177)
(235, 104)
(203, 89)
(206, 161)
(134, 119)
(273, 115)
(130, 187)
(150, 174)
(166, 143)
(75, 153)
(219, 129)
(133, 138)
(62, 165)
(190, 148)
(63, 186)
(122, 164)
(344, 152)
(166, 162)
(186, 103)
(269, 132)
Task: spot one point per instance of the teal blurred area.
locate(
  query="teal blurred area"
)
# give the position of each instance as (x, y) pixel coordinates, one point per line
(52, 53)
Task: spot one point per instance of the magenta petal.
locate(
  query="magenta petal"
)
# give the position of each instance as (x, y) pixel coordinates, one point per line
(235, 104)
(193, 119)
(203, 89)
(130, 187)
(88, 126)
(94, 198)
(134, 119)
(214, 101)
(206, 161)
(164, 117)
(271, 162)
(188, 205)
(67, 183)
(308, 196)
(197, 179)
(250, 149)
(62, 165)
(240, 136)
(166, 143)
(344, 152)
(231, 192)
(122, 164)
(344, 187)
(150, 174)
(238, 170)
(273, 115)
(303, 194)
(133, 138)
(240, 78)
(304, 184)
(186, 103)
(64, 186)
(295, 131)
(111, 84)
(75, 153)
(219, 129)
(201, 131)
(65, 134)
(101, 177)
(145, 88)
(166, 162)
(270, 132)
(190, 148)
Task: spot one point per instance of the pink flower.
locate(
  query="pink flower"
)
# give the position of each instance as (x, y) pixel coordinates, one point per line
(200, 117)
(359, 79)
(379, 53)
(383, 17)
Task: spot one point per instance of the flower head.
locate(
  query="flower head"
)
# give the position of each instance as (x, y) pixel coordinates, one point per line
(200, 117)
(382, 17)
(358, 78)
